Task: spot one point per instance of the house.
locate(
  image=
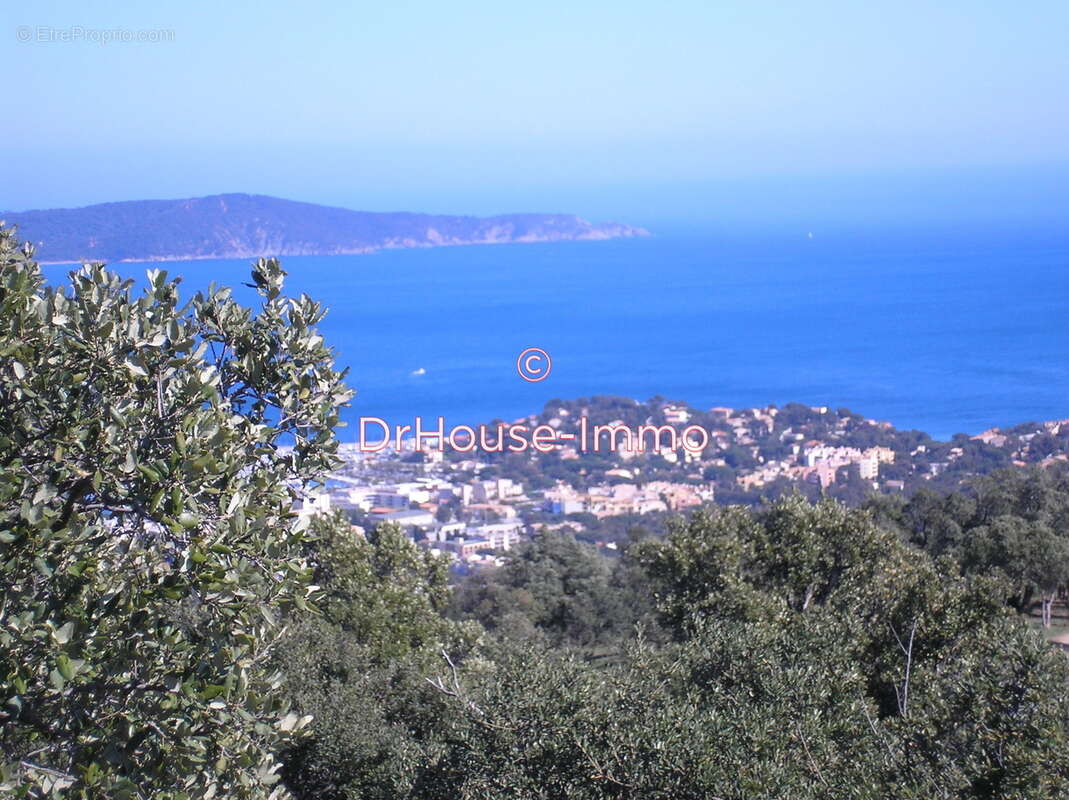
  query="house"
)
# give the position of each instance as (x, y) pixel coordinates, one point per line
(315, 503)
(676, 415)
(993, 437)
(499, 535)
(406, 519)
(563, 500)
(825, 473)
(868, 467)
(465, 548)
(446, 530)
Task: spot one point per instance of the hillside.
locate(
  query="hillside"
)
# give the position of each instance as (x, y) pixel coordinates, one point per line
(244, 226)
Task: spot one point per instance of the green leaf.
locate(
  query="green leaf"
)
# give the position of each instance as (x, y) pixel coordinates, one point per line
(149, 473)
(63, 664)
(63, 634)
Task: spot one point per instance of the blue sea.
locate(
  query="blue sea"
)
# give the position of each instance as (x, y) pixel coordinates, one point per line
(947, 331)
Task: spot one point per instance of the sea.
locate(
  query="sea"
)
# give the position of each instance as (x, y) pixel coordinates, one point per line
(944, 331)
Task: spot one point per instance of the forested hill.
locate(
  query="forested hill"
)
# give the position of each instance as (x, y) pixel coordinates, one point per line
(244, 226)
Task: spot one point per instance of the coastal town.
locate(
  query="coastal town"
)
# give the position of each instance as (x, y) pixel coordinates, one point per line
(476, 505)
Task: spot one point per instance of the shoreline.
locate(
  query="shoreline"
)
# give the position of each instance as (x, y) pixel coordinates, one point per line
(636, 233)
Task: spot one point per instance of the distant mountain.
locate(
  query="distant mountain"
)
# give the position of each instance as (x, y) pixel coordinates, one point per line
(244, 226)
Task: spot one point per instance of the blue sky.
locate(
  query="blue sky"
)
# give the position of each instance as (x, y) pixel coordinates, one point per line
(634, 110)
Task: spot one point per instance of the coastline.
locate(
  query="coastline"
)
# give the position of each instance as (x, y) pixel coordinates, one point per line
(594, 236)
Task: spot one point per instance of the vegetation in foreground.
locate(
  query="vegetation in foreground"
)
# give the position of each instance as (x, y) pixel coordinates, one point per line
(169, 629)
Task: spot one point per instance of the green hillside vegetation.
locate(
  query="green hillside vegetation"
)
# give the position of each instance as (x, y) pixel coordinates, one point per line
(242, 225)
(170, 628)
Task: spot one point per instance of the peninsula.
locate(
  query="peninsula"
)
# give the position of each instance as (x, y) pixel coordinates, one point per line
(248, 226)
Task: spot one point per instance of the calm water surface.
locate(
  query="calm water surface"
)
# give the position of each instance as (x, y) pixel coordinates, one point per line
(946, 333)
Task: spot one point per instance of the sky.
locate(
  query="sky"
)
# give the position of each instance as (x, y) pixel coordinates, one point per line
(643, 112)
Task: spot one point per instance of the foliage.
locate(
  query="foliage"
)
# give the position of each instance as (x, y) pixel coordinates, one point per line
(1014, 524)
(359, 669)
(234, 226)
(553, 590)
(817, 657)
(157, 638)
(150, 455)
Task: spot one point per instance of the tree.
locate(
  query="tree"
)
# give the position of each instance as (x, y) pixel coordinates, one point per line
(553, 589)
(150, 457)
(1033, 557)
(1011, 523)
(703, 567)
(359, 669)
(818, 656)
